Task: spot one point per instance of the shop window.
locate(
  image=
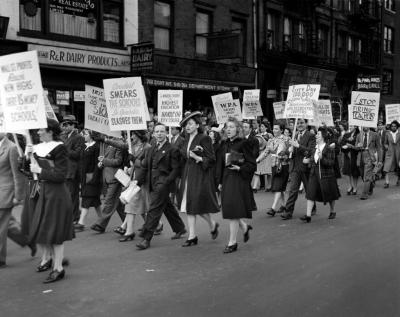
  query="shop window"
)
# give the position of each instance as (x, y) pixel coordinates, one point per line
(203, 27)
(162, 25)
(388, 36)
(80, 20)
(239, 26)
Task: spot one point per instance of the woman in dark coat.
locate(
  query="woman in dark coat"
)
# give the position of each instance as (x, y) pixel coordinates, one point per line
(52, 219)
(322, 184)
(349, 151)
(91, 177)
(197, 189)
(236, 166)
(216, 143)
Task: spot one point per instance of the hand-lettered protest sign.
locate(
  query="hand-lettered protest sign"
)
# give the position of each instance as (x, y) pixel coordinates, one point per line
(96, 116)
(392, 113)
(364, 108)
(49, 109)
(21, 92)
(225, 107)
(323, 113)
(170, 107)
(279, 109)
(251, 104)
(125, 107)
(299, 101)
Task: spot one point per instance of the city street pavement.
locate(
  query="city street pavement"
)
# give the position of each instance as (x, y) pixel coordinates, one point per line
(349, 266)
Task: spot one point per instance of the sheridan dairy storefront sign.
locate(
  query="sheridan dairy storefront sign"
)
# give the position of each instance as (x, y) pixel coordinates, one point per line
(63, 56)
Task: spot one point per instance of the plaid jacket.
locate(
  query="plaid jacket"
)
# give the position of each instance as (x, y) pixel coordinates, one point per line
(325, 166)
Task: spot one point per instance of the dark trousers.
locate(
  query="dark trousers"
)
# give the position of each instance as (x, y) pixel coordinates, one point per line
(160, 202)
(367, 172)
(14, 233)
(111, 203)
(5, 215)
(73, 188)
(296, 178)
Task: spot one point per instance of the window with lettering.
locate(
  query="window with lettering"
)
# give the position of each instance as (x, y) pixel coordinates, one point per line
(93, 20)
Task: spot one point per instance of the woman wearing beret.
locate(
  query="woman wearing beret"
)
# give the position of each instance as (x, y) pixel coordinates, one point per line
(197, 194)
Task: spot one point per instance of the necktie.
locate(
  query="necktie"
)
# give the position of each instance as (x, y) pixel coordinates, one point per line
(299, 136)
(365, 145)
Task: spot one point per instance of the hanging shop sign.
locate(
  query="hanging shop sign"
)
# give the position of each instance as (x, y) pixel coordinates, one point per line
(142, 56)
(369, 83)
(177, 84)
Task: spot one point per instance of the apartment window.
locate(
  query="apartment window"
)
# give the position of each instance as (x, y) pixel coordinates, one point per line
(287, 33)
(389, 5)
(358, 50)
(387, 82)
(93, 20)
(350, 46)
(162, 25)
(388, 36)
(271, 31)
(301, 37)
(323, 40)
(203, 27)
(239, 26)
(350, 5)
(341, 47)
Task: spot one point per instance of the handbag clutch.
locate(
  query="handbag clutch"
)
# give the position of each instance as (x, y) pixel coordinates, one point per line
(128, 194)
(234, 158)
(122, 177)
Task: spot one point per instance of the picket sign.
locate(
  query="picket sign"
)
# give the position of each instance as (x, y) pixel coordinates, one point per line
(279, 109)
(251, 104)
(392, 113)
(126, 107)
(323, 113)
(170, 107)
(49, 109)
(225, 107)
(364, 108)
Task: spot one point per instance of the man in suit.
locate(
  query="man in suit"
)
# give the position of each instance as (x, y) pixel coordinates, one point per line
(369, 156)
(177, 140)
(110, 163)
(382, 136)
(161, 167)
(75, 144)
(12, 190)
(301, 146)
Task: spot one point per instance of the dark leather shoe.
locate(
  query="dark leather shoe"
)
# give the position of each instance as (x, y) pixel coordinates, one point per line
(190, 242)
(158, 231)
(332, 215)
(231, 248)
(44, 267)
(246, 235)
(143, 245)
(364, 197)
(178, 235)
(215, 232)
(305, 218)
(54, 277)
(128, 237)
(97, 228)
(286, 216)
(281, 209)
(271, 212)
(2, 265)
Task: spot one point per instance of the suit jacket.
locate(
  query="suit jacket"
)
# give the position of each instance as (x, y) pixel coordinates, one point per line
(383, 135)
(165, 169)
(374, 147)
(255, 145)
(11, 179)
(75, 145)
(179, 142)
(113, 160)
(306, 146)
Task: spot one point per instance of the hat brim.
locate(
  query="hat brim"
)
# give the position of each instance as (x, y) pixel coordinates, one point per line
(190, 116)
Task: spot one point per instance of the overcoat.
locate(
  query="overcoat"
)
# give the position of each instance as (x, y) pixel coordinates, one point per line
(350, 154)
(198, 178)
(74, 145)
(237, 197)
(392, 154)
(91, 175)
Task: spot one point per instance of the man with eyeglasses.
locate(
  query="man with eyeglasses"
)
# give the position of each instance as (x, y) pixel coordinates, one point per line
(75, 144)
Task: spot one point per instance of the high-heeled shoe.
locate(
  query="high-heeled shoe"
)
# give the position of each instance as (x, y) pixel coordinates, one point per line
(215, 232)
(54, 276)
(305, 218)
(128, 237)
(119, 230)
(231, 248)
(332, 215)
(45, 266)
(271, 212)
(349, 191)
(246, 235)
(190, 242)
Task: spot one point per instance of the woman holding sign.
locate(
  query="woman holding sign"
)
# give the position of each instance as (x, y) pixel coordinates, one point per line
(235, 169)
(197, 195)
(322, 184)
(52, 219)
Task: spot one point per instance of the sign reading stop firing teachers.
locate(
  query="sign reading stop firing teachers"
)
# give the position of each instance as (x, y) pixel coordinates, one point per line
(364, 108)
(170, 107)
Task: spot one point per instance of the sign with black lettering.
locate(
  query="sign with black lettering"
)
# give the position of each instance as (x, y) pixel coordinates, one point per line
(225, 107)
(125, 105)
(82, 8)
(364, 108)
(369, 83)
(170, 107)
(299, 102)
(21, 92)
(96, 116)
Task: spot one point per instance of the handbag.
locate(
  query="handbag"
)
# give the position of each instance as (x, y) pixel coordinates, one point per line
(122, 177)
(234, 158)
(128, 194)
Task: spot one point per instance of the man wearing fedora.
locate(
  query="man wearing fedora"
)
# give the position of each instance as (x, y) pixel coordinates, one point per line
(75, 144)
